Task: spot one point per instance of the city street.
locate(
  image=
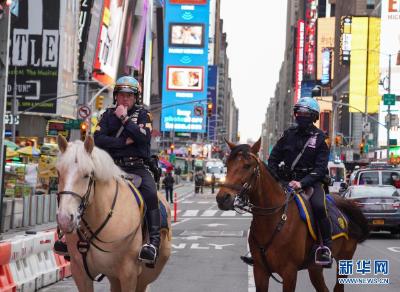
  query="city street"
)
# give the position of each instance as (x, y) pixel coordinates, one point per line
(207, 244)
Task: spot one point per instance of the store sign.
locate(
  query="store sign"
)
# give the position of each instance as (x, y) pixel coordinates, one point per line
(83, 28)
(34, 55)
(299, 59)
(310, 39)
(345, 40)
(390, 44)
(185, 72)
(55, 128)
(325, 39)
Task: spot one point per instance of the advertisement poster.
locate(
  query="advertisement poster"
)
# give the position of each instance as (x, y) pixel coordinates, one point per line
(110, 40)
(34, 55)
(185, 69)
(390, 44)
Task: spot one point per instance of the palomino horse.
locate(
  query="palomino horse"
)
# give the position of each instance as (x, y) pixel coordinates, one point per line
(279, 240)
(98, 211)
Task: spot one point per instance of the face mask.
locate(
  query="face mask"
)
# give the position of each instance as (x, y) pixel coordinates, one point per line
(304, 122)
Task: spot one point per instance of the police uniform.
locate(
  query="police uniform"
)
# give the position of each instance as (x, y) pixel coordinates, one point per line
(111, 135)
(310, 170)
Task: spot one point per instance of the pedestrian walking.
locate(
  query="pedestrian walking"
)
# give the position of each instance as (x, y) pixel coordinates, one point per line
(212, 183)
(169, 187)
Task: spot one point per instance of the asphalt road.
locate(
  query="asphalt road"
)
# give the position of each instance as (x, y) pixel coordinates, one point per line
(207, 244)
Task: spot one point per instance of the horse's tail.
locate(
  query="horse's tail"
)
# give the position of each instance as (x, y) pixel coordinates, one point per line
(358, 224)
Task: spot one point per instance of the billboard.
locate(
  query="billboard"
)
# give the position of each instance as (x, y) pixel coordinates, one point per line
(364, 73)
(345, 40)
(299, 59)
(212, 96)
(185, 71)
(390, 43)
(325, 39)
(326, 66)
(109, 43)
(310, 39)
(34, 55)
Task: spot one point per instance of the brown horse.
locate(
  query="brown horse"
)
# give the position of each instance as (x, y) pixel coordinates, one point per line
(279, 240)
(98, 212)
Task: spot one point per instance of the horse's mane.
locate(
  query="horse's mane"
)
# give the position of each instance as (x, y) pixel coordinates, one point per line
(99, 161)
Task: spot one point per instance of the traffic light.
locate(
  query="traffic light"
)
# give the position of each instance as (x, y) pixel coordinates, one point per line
(189, 151)
(99, 102)
(84, 129)
(209, 109)
(362, 146)
(172, 147)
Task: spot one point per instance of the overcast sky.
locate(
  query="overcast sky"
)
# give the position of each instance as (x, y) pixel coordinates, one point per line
(256, 41)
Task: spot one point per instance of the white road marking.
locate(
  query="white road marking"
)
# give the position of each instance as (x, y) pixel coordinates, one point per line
(209, 213)
(394, 248)
(228, 213)
(190, 213)
(215, 224)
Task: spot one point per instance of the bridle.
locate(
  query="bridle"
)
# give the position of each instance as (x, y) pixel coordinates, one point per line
(87, 237)
(242, 202)
(85, 198)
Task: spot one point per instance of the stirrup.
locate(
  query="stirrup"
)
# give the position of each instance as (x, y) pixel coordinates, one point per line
(148, 261)
(318, 251)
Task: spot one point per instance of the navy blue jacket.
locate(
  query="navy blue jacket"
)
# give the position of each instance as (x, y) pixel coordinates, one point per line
(138, 128)
(315, 157)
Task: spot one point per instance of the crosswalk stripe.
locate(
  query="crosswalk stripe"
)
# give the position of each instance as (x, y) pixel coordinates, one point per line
(209, 213)
(228, 214)
(190, 213)
(247, 214)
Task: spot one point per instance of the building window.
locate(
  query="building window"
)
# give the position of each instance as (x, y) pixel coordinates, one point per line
(370, 4)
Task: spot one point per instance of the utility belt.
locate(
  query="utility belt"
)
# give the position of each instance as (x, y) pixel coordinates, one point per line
(130, 161)
(286, 174)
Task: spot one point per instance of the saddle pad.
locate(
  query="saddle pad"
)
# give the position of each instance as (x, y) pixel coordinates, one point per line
(142, 205)
(339, 221)
(163, 215)
(138, 197)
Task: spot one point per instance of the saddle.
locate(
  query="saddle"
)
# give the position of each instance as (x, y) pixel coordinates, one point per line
(339, 221)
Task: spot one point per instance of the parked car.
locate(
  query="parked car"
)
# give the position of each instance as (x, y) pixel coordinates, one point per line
(388, 176)
(380, 205)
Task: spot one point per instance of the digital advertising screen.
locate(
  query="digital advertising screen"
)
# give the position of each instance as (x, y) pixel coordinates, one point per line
(186, 35)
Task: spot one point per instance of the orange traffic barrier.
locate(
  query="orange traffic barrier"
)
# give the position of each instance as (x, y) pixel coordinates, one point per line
(6, 279)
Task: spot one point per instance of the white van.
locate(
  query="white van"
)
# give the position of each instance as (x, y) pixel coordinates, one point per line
(337, 171)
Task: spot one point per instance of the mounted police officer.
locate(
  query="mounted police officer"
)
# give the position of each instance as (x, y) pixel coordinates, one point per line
(124, 131)
(305, 154)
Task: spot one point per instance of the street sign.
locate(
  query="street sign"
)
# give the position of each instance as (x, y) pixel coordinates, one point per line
(389, 99)
(394, 120)
(392, 142)
(198, 111)
(84, 111)
(10, 119)
(72, 124)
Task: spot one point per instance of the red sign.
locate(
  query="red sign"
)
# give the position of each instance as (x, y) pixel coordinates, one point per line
(188, 2)
(299, 60)
(310, 39)
(84, 112)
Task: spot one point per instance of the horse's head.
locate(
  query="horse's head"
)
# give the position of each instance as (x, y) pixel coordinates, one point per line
(241, 165)
(75, 175)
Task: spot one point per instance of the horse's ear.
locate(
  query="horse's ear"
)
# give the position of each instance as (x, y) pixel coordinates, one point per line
(89, 144)
(256, 147)
(62, 143)
(230, 144)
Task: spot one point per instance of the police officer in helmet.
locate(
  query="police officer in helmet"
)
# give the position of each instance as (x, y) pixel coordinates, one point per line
(309, 171)
(124, 131)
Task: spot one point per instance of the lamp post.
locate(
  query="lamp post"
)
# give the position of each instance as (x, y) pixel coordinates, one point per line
(389, 122)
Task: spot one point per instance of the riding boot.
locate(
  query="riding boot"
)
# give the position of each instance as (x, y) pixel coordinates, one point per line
(247, 259)
(149, 251)
(324, 255)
